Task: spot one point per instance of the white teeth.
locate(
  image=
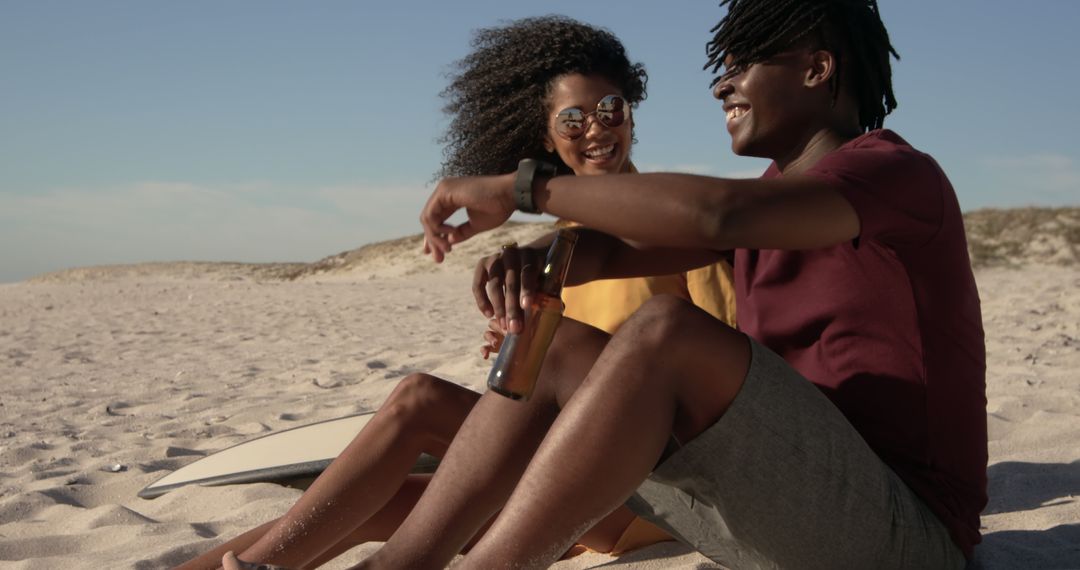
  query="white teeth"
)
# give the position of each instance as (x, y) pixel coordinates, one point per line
(735, 113)
(597, 152)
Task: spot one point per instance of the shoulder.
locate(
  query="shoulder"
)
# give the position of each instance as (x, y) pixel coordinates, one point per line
(898, 192)
(879, 153)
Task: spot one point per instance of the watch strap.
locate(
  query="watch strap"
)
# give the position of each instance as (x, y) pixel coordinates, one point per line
(528, 170)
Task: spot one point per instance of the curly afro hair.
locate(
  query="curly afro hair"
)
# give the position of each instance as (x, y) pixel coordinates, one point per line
(497, 99)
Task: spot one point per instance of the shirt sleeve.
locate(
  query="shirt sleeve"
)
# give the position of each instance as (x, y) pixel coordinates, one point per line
(897, 191)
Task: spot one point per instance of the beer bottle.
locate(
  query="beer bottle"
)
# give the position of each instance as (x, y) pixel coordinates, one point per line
(518, 365)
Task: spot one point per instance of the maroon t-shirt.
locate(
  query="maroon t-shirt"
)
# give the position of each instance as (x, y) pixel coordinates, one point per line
(887, 326)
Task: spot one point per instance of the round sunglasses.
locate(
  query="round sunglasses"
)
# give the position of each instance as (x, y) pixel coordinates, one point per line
(612, 111)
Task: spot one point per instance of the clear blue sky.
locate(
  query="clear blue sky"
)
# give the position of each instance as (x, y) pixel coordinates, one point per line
(287, 131)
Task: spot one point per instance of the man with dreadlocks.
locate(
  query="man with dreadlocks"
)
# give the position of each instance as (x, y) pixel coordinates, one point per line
(843, 425)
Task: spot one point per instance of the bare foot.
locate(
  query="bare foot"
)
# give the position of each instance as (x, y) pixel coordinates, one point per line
(231, 562)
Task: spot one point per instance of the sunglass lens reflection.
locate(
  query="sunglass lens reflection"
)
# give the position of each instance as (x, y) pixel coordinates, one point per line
(571, 121)
(610, 111)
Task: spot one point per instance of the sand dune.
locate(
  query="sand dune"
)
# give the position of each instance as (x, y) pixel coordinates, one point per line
(113, 376)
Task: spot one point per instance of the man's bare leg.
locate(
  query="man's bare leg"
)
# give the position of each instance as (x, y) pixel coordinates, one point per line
(486, 459)
(672, 369)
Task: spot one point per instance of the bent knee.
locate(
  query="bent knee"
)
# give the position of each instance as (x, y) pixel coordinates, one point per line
(665, 311)
(666, 319)
(428, 410)
(420, 395)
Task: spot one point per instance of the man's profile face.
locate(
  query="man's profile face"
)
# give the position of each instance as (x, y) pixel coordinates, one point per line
(765, 104)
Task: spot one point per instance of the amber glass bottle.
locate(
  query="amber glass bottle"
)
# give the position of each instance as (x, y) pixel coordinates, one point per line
(518, 365)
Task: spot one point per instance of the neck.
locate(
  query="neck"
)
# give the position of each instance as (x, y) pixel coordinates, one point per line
(812, 147)
(831, 130)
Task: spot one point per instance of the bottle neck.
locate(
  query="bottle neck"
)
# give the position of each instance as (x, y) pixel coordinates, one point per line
(558, 262)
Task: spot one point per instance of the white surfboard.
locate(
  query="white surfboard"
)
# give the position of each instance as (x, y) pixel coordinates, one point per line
(292, 454)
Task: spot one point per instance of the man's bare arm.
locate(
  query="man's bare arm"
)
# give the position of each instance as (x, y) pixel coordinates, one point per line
(603, 256)
(698, 212)
(679, 211)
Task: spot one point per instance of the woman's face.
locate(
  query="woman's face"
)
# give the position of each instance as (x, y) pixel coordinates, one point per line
(600, 149)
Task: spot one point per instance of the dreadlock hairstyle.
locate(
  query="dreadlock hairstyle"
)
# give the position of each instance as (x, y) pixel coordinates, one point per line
(498, 97)
(755, 30)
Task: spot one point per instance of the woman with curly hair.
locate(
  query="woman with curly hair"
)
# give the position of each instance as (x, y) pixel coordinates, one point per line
(549, 88)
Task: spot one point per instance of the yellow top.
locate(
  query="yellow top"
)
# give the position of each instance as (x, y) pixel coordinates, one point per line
(607, 303)
(713, 288)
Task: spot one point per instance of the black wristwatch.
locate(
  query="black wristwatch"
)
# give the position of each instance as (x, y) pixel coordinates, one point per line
(528, 170)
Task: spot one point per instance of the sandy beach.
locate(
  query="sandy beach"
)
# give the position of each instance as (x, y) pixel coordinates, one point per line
(113, 376)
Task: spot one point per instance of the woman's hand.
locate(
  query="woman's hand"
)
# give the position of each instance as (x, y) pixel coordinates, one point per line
(493, 339)
(488, 201)
(504, 283)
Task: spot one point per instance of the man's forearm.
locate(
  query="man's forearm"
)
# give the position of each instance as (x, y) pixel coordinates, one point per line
(665, 210)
